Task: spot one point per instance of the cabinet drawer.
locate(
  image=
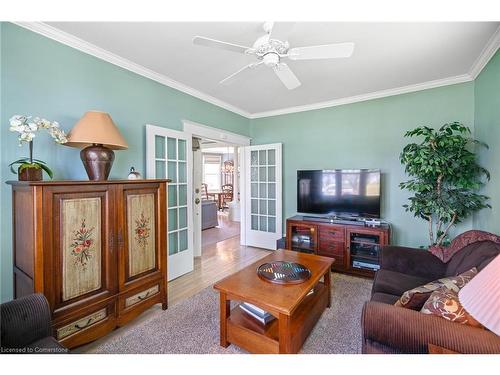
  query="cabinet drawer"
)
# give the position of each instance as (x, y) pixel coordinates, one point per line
(332, 233)
(139, 299)
(141, 296)
(81, 324)
(86, 325)
(331, 248)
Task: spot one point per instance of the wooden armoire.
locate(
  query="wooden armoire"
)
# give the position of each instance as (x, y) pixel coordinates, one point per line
(96, 250)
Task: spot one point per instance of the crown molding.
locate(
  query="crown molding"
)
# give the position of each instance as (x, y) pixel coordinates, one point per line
(364, 97)
(486, 54)
(91, 49)
(72, 41)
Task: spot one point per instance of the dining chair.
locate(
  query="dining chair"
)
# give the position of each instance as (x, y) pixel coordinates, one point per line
(227, 194)
(205, 194)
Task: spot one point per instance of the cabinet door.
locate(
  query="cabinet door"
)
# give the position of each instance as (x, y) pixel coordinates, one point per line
(302, 237)
(141, 233)
(79, 257)
(364, 249)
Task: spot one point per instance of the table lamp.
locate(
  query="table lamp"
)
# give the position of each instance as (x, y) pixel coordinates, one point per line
(480, 297)
(98, 136)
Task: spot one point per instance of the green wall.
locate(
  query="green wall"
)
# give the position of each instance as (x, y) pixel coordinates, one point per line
(487, 124)
(366, 135)
(42, 77)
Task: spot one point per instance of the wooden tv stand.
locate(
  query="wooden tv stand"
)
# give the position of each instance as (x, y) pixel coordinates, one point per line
(346, 243)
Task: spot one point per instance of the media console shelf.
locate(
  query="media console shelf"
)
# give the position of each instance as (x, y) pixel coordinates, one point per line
(355, 248)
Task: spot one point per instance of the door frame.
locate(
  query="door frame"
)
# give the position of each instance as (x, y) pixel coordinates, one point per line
(220, 135)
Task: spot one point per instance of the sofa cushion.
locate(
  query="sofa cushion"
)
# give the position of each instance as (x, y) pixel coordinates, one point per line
(445, 304)
(384, 298)
(395, 283)
(416, 297)
(477, 254)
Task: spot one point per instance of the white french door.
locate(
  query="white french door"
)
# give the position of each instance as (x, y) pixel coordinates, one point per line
(263, 195)
(169, 155)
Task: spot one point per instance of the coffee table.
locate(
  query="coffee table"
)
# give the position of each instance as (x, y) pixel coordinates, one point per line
(296, 312)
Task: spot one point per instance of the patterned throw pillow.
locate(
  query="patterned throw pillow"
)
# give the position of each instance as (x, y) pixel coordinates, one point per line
(416, 297)
(444, 303)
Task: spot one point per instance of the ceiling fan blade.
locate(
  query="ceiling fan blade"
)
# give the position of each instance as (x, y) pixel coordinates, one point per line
(326, 51)
(235, 75)
(281, 30)
(207, 42)
(286, 76)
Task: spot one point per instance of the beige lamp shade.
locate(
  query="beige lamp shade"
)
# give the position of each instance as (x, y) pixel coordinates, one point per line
(480, 297)
(96, 128)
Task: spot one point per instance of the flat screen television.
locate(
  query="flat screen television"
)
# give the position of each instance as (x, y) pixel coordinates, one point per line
(340, 192)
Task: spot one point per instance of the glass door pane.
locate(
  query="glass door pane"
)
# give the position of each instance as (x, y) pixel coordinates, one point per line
(263, 178)
(177, 209)
(169, 155)
(263, 195)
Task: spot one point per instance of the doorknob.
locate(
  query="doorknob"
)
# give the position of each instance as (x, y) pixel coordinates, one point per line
(197, 201)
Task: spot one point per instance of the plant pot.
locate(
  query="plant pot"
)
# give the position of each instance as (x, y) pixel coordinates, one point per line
(30, 174)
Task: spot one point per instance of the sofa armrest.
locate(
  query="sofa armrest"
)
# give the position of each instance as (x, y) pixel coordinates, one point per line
(24, 321)
(417, 262)
(410, 331)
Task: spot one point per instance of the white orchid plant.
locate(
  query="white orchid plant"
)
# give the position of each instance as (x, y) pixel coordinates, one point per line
(26, 127)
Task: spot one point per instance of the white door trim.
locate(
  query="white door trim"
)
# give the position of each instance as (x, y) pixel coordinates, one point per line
(197, 180)
(216, 134)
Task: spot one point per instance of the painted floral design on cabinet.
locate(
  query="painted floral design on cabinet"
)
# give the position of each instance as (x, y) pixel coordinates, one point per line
(141, 233)
(142, 230)
(82, 245)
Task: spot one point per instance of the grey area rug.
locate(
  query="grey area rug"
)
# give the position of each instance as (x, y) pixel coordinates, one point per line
(192, 326)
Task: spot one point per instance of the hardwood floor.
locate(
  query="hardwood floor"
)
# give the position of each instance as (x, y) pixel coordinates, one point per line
(225, 230)
(217, 261)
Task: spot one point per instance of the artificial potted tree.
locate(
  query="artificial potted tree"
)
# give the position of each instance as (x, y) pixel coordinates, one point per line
(445, 178)
(30, 169)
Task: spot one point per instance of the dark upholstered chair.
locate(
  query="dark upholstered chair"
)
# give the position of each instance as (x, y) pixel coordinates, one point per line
(391, 329)
(209, 217)
(26, 326)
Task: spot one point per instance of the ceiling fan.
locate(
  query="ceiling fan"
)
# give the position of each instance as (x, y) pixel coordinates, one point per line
(271, 48)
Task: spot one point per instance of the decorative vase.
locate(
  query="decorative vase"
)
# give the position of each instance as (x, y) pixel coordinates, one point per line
(97, 160)
(30, 174)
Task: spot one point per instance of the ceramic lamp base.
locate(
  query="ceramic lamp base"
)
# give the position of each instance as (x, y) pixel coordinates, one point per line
(97, 160)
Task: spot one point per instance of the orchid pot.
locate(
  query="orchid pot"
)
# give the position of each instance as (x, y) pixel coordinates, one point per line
(28, 168)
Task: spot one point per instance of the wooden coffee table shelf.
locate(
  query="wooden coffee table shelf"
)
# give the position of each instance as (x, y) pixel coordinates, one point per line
(296, 312)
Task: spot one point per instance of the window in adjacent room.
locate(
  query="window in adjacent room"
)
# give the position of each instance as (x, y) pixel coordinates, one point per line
(212, 171)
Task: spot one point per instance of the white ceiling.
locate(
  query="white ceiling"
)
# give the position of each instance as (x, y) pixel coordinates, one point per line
(387, 56)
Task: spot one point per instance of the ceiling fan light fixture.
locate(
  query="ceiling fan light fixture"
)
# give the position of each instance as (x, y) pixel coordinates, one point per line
(272, 47)
(271, 59)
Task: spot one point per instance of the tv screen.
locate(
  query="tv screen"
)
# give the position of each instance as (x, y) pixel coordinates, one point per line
(353, 192)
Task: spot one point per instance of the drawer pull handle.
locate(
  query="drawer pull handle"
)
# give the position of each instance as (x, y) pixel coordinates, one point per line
(85, 325)
(144, 296)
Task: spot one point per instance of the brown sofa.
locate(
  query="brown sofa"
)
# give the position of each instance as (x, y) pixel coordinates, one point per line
(390, 329)
(26, 327)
